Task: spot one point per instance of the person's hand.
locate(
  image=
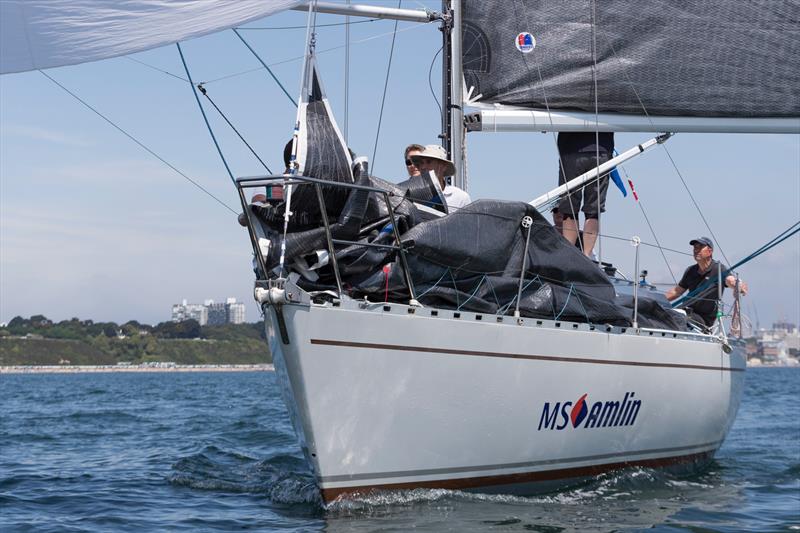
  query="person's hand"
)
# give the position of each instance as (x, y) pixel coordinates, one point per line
(730, 281)
(743, 288)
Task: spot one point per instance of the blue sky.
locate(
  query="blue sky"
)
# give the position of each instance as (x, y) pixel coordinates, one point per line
(93, 226)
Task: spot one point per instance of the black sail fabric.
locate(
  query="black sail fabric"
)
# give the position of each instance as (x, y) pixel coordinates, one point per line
(712, 58)
(469, 260)
(321, 151)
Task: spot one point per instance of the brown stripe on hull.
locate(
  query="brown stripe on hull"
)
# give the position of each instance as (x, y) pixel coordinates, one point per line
(330, 494)
(452, 351)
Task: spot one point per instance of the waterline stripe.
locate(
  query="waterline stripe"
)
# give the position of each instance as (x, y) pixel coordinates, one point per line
(506, 466)
(452, 351)
(330, 494)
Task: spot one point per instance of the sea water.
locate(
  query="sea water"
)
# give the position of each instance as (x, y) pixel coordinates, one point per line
(216, 452)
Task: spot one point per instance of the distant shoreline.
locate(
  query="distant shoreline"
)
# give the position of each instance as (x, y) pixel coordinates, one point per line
(153, 367)
(169, 367)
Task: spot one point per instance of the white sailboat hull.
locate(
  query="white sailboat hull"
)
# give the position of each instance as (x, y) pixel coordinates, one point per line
(385, 398)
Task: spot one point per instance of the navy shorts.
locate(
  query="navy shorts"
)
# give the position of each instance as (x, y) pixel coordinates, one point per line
(585, 199)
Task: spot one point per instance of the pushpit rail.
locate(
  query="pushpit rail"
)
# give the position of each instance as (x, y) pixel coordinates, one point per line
(246, 183)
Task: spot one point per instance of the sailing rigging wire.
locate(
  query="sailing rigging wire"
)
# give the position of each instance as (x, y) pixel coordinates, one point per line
(430, 82)
(348, 24)
(331, 49)
(205, 118)
(666, 150)
(596, 130)
(168, 73)
(274, 77)
(138, 142)
(205, 93)
(696, 206)
(550, 118)
(652, 230)
(385, 88)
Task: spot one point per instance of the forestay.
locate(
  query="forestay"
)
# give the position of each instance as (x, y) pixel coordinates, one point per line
(701, 58)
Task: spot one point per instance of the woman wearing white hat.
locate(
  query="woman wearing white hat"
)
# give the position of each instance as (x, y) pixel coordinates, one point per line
(433, 158)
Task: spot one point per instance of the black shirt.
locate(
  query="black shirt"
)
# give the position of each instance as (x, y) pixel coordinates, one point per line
(703, 303)
(569, 142)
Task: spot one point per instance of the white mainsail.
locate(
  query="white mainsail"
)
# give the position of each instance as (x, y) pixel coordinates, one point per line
(39, 34)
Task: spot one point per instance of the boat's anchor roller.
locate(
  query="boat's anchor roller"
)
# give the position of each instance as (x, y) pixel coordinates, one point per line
(274, 294)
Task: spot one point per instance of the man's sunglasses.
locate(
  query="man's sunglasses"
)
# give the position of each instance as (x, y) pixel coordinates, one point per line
(409, 162)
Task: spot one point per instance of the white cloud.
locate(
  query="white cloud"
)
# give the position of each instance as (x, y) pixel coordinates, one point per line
(39, 134)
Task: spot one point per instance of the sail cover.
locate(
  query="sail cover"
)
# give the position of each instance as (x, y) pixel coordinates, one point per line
(710, 58)
(39, 34)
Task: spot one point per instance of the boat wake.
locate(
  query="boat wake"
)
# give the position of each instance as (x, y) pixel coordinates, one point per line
(282, 478)
(620, 485)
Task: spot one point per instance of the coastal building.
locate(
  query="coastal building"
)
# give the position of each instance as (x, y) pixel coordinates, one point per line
(187, 311)
(779, 345)
(210, 313)
(235, 311)
(217, 313)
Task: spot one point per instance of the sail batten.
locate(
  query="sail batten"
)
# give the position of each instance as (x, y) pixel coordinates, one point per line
(700, 58)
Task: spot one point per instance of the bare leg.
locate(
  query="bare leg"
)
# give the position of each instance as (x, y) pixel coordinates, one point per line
(570, 229)
(590, 230)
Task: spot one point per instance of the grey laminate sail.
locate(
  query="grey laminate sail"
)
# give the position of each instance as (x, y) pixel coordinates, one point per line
(321, 150)
(706, 58)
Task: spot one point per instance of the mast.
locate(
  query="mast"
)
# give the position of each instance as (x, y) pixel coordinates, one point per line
(452, 89)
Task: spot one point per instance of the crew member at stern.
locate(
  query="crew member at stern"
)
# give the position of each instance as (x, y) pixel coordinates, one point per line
(705, 272)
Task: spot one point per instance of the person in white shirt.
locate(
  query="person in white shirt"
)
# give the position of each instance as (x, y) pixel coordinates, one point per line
(433, 158)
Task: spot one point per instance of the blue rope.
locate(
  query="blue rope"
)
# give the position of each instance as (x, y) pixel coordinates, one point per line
(569, 294)
(274, 77)
(426, 291)
(505, 308)
(771, 244)
(455, 286)
(583, 307)
(473, 294)
(496, 299)
(205, 118)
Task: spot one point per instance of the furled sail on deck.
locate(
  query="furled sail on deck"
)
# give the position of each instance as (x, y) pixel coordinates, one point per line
(38, 34)
(701, 58)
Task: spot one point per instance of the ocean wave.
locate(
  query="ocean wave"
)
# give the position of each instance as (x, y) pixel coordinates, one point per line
(283, 478)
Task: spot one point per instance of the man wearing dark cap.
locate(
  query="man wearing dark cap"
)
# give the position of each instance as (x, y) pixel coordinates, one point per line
(703, 304)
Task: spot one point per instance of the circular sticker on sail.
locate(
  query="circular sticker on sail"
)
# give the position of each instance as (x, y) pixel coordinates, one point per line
(525, 42)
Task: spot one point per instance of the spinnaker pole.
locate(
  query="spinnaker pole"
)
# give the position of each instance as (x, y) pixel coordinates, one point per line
(575, 183)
